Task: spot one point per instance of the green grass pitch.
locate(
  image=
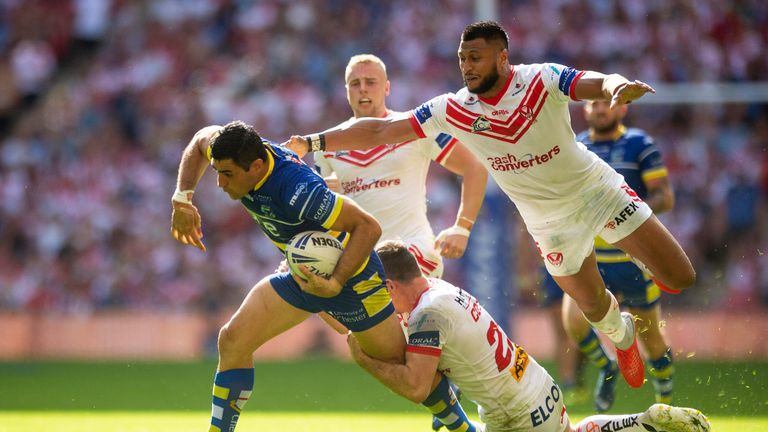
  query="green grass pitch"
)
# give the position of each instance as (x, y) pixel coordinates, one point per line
(311, 395)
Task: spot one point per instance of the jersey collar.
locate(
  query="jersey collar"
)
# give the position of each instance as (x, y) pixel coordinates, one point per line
(271, 163)
(494, 100)
(421, 294)
(618, 133)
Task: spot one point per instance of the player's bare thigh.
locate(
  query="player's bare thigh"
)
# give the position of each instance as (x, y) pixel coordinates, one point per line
(384, 341)
(262, 315)
(655, 246)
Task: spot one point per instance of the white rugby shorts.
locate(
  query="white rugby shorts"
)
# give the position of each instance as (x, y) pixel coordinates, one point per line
(613, 214)
(544, 413)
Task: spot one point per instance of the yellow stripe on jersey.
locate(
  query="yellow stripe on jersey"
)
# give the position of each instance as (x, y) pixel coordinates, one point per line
(362, 267)
(271, 162)
(334, 213)
(655, 173)
(214, 429)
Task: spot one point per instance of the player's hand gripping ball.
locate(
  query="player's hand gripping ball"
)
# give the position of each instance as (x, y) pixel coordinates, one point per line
(317, 250)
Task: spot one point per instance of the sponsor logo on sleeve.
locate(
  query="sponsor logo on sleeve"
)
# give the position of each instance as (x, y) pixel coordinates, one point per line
(566, 79)
(423, 113)
(425, 338)
(326, 204)
(301, 188)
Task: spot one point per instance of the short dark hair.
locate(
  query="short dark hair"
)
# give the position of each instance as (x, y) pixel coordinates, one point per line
(488, 30)
(240, 143)
(399, 263)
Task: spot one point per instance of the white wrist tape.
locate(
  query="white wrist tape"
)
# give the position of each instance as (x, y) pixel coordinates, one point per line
(183, 196)
(454, 230)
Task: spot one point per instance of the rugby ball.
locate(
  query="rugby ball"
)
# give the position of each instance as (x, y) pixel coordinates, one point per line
(317, 250)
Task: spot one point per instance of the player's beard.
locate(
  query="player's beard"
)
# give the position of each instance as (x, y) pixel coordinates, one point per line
(486, 84)
(606, 128)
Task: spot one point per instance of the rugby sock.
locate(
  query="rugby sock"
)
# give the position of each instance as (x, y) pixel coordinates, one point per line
(442, 403)
(662, 371)
(593, 349)
(231, 390)
(614, 327)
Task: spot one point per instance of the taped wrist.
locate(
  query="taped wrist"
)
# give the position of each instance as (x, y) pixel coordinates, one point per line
(316, 142)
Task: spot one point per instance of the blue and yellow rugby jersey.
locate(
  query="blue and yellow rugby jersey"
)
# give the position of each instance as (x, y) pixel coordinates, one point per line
(633, 154)
(291, 198)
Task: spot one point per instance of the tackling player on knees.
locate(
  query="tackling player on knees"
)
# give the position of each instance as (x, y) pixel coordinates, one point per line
(450, 332)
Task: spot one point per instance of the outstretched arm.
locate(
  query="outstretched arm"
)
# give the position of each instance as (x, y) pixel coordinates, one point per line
(413, 380)
(452, 242)
(186, 224)
(615, 88)
(360, 134)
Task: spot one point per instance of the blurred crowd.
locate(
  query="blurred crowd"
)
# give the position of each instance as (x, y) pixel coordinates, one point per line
(99, 97)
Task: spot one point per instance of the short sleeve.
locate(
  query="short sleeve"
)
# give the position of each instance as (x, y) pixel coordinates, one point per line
(650, 161)
(313, 201)
(428, 332)
(428, 120)
(560, 81)
(439, 148)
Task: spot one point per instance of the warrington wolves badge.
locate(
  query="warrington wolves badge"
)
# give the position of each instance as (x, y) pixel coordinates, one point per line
(481, 124)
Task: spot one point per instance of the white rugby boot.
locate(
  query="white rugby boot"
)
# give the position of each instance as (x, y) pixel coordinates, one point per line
(668, 418)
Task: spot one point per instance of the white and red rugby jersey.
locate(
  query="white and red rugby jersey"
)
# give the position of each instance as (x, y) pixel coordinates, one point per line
(475, 353)
(389, 181)
(524, 138)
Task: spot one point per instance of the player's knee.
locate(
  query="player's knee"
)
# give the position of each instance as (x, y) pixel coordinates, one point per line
(682, 279)
(229, 342)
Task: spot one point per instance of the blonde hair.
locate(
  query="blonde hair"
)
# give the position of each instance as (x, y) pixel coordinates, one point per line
(363, 58)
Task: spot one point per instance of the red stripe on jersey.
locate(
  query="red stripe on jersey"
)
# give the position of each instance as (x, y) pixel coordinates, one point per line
(494, 100)
(447, 150)
(516, 125)
(537, 110)
(427, 266)
(423, 350)
(572, 88)
(367, 157)
(416, 126)
(469, 130)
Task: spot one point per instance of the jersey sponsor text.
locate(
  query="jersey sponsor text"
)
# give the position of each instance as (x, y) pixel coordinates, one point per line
(510, 162)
